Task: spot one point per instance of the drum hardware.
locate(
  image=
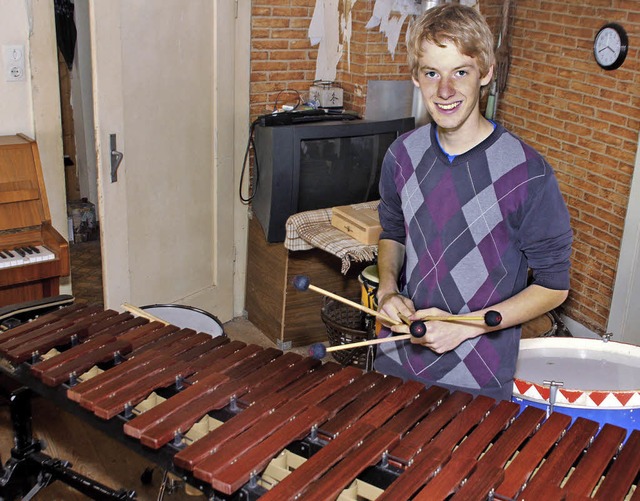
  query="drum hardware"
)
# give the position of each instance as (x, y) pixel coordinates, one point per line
(128, 411)
(553, 392)
(28, 471)
(607, 337)
(178, 439)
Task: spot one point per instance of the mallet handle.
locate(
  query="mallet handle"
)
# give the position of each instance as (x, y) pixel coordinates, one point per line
(454, 318)
(358, 306)
(141, 313)
(369, 342)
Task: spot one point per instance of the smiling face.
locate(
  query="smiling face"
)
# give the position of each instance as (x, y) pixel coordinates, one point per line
(450, 84)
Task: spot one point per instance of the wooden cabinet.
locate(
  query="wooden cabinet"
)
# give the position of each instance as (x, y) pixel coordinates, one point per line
(286, 315)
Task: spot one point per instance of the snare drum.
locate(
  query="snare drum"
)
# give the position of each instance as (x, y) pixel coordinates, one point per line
(369, 284)
(187, 317)
(593, 379)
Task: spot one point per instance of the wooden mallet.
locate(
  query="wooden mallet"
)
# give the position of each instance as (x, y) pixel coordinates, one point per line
(302, 283)
(417, 328)
(139, 312)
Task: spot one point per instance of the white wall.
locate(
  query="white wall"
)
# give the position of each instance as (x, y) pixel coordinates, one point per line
(82, 103)
(16, 107)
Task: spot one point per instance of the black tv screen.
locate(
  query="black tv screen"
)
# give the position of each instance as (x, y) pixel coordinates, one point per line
(318, 165)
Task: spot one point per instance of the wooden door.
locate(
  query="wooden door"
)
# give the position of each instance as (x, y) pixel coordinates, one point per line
(167, 218)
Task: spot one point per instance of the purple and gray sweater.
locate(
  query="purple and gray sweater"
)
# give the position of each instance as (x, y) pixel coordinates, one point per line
(472, 228)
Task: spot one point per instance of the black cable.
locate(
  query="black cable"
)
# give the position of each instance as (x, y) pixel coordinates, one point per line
(298, 97)
(256, 171)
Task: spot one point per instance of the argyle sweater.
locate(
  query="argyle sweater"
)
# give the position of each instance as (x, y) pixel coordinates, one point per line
(471, 228)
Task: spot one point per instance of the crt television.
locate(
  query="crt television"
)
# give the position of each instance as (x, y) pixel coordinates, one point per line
(315, 165)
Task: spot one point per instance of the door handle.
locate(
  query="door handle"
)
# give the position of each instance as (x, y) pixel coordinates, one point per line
(116, 159)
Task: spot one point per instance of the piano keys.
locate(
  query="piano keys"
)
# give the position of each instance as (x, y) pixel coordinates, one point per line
(25, 255)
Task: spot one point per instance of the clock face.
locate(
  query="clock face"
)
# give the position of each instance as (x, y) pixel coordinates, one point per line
(610, 46)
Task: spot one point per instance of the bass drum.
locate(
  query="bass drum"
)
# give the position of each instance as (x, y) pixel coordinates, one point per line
(187, 317)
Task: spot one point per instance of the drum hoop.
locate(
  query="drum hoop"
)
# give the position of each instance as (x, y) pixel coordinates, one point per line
(567, 397)
(186, 307)
(368, 279)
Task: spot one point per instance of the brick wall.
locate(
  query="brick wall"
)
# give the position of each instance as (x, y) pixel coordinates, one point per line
(283, 59)
(584, 120)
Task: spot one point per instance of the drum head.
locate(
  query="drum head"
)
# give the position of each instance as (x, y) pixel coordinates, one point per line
(370, 274)
(592, 372)
(187, 317)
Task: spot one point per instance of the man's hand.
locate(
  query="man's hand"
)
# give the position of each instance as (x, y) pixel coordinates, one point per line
(393, 305)
(442, 337)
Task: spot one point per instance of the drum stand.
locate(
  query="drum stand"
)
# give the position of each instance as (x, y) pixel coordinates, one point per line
(28, 471)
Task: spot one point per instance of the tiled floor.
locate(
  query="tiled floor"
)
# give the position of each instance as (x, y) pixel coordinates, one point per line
(86, 272)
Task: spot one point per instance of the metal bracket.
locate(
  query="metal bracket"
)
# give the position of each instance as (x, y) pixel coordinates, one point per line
(116, 158)
(553, 392)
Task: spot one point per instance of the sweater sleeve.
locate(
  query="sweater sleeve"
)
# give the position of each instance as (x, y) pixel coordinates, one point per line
(546, 236)
(390, 208)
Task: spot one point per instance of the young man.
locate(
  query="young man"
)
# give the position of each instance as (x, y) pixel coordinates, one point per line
(467, 210)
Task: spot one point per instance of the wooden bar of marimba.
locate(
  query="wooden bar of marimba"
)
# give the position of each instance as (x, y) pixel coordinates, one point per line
(346, 426)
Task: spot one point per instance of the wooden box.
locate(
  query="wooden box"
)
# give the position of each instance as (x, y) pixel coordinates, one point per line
(363, 224)
(289, 317)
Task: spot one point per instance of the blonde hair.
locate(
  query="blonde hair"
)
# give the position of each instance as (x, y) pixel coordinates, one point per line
(460, 24)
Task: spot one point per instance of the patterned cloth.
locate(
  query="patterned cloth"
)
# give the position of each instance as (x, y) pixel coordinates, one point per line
(312, 229)
(471, 229)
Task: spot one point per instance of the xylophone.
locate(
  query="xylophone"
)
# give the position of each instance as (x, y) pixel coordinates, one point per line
(283, 426)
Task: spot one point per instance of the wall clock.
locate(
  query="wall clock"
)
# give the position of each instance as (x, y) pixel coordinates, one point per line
(610, 46)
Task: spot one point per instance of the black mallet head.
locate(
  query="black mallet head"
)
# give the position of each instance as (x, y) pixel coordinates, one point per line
(317, 351)
(492, 318)
(301, 282)
(418, 328)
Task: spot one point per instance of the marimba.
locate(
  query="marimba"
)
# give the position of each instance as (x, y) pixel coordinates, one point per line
(282, 426)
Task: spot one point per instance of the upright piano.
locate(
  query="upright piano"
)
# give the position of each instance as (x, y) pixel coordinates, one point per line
(33, 255)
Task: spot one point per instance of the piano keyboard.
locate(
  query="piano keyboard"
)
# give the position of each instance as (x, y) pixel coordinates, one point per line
(28, 254)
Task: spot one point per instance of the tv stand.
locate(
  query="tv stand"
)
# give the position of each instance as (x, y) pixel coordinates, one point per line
(287, 316)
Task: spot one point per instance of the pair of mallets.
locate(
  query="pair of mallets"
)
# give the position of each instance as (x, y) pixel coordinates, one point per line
(417, 328)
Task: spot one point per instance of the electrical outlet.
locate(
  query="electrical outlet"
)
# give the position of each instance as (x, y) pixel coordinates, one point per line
(13, 62)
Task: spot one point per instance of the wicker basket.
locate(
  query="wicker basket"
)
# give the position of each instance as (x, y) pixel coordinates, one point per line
(346, 325)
